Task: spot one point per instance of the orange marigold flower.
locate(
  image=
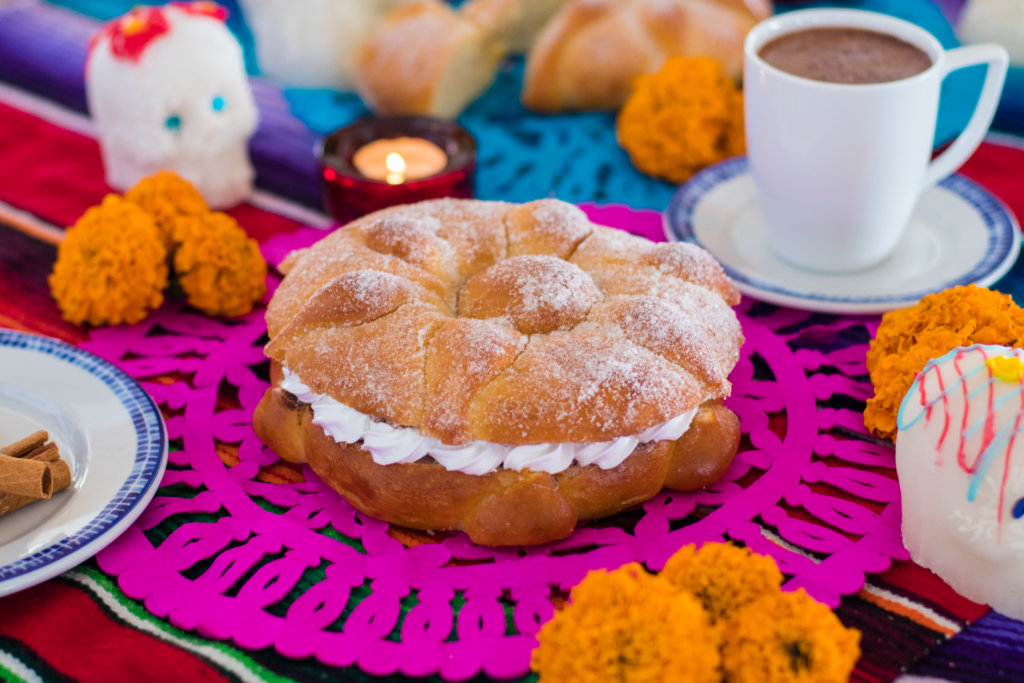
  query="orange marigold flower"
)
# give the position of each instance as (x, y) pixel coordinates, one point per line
(628, 625)
(686, 116)
(166, 196)
(908, 338)
(722, 576)
(111, 267)
(218, 266)
(788, 638)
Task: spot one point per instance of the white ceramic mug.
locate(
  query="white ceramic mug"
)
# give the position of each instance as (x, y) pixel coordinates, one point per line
(839, 167)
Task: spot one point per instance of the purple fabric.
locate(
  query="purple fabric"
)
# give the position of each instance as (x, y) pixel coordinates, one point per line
(988, 650)
(806, 488)
(951, 9)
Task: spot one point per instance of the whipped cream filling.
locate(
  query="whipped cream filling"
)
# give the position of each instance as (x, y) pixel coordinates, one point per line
(388, 444)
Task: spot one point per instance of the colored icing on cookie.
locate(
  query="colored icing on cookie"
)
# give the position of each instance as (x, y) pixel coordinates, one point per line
(961, 469)
(979, 382)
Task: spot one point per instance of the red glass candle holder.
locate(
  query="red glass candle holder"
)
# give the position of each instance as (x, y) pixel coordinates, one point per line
(349, 194)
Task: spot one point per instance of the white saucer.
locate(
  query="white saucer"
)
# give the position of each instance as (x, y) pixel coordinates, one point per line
(959, 234)
(109, 432)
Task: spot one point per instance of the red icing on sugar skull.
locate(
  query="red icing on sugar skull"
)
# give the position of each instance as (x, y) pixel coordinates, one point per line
(130, 34)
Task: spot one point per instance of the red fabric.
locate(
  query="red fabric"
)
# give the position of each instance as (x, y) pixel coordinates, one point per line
(51, 172)
(64, 627)
(1000, 169)
(919, 581)
(56, 174)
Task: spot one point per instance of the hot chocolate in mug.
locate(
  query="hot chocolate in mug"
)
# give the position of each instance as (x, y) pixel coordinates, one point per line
(838, 167)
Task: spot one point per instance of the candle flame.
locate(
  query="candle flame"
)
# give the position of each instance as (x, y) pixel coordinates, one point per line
(396, 168)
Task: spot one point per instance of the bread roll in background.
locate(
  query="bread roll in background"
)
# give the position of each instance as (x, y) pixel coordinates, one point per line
(515, 22)
(994, 21)
(588, 54)
(425, 58)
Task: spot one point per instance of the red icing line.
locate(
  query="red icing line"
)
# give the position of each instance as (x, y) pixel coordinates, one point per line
(961, 456)
(945, 414)
(1006, 474)
(1006, 468)
(988, 434)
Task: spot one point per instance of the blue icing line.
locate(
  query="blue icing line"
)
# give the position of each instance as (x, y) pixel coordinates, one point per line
(987, 456)
(996, 404)
(1000, 402)
(901, 421)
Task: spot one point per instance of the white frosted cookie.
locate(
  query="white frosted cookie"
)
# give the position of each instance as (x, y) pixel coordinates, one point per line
(960, 459)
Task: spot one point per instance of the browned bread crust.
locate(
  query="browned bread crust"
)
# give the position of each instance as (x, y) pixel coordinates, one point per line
(514, 324)
(505, 507)
(425, 58)
(588, 55)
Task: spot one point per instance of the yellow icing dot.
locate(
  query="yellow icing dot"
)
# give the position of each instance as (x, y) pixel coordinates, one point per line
(133, 24)
(1006, 368)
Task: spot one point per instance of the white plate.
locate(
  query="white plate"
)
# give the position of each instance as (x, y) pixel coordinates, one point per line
(107, 429)
(959, 234)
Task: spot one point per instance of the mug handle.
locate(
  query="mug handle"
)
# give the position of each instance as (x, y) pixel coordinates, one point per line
(956, 154)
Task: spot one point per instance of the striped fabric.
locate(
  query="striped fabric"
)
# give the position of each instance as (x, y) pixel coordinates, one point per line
(81, 627)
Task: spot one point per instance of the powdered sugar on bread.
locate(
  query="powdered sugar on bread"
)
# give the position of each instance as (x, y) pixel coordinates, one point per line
(583, 333)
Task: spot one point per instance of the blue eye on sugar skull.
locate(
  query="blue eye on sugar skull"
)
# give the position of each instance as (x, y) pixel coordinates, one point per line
(218, 103)
(1018, 509)
(173, 123)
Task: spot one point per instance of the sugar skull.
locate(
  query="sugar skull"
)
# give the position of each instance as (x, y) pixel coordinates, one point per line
(960, 460)
(167, 90)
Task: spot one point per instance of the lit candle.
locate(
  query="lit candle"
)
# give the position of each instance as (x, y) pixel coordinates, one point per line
(396, 160)
(382, 161)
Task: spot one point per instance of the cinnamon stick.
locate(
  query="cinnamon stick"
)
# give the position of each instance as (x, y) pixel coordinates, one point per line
(46, 453)
(33, 452)
(25, 477)
(26, 445)
(60, 473)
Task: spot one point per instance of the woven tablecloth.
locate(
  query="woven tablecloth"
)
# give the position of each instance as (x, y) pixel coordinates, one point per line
(105, 620)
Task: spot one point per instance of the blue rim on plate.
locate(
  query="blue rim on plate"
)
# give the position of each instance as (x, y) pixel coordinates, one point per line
(140, 484)
(1003, 243)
